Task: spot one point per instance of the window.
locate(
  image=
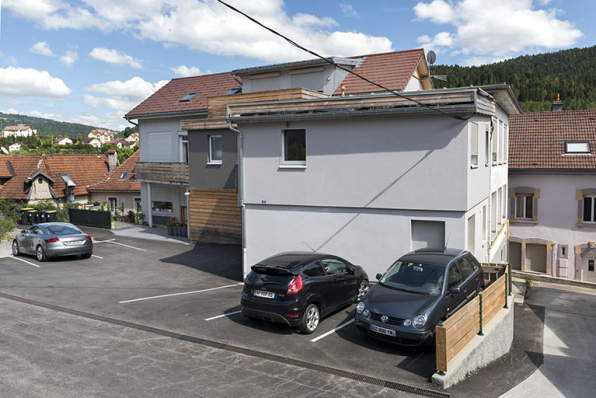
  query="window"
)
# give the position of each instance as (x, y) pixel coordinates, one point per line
(506, 147)
(577, 147)
(36, 230)
(524, 206)
(215, 151)
(188, 97)
(504, 201)
(333, 266)
(184, 149)
(137, 204)
(500, 206)
(314, 269)
(494, 144)
(294, 147)
(427, 234)
(474, 145)
(40, 181)
(113, 204)
(589, 214)
(123, 175)
(162, 207)
(454, 277)
(493, 212)
(486, 146)
(466, 267)
(484, 224)
(591, 265)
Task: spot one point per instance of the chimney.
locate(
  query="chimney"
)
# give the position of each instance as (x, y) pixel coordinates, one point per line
(112, 160)
(343, 90)
(558, 104)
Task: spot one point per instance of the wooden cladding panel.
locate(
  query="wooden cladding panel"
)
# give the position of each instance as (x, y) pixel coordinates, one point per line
(214, 216)
(162, 172)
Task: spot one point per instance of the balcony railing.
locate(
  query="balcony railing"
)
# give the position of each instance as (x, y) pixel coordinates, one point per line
(168, 173)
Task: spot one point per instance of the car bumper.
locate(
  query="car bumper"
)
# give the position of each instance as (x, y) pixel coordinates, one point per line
(411, 338)
(273, 312)
(58, 249)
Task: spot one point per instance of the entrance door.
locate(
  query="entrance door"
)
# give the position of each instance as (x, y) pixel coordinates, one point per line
(588, 272)
(515, 255)
(428, 234)
(536, 258)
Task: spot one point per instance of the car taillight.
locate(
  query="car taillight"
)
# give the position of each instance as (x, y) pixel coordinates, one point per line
(87, 237)
(50, 240)
(295, 285)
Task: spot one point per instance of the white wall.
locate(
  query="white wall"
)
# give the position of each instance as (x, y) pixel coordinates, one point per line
(168, 152)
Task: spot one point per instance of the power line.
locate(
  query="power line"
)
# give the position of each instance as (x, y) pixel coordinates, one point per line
(292, 42)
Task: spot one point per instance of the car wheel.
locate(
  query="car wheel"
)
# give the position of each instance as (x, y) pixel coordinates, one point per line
(362, 290)
(310, 319)
(15, 248)
(41, 254)
(87, 255)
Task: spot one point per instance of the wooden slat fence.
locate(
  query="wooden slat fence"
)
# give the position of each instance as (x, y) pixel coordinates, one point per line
(457, 331)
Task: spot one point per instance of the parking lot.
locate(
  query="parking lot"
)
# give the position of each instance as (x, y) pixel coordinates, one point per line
(194, 290)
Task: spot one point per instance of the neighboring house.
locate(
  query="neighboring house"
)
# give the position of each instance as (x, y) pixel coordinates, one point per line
(103, 136)
(15, 147)
(18, 131)
(58, 177)
(117, 142)
(63, 141)
(134, 137)
(120, 189)
(93, 142)
(552, 180)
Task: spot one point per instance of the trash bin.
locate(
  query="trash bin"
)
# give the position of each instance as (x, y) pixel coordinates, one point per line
(51, 216)
(25, 215)
(42, 216)
(32, 217)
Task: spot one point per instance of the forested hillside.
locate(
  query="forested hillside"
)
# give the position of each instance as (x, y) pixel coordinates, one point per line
(46, 126)
(535, 79)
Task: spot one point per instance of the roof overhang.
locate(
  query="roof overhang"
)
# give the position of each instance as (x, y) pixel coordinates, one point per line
(39, 173)
(505, 97)
(161, 115)
(354, 62)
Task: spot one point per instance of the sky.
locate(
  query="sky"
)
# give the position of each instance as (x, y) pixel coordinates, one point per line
(92, 61)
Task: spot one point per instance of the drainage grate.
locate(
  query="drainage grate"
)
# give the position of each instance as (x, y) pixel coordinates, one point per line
(240, 350)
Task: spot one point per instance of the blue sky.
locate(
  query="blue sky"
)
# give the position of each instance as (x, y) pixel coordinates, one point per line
(91, 61)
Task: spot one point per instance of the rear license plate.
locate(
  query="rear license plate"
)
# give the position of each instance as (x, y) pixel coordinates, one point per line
(386, 332)
(264, 294)
(74, 242)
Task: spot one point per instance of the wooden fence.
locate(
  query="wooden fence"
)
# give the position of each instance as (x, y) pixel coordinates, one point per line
(457, 331)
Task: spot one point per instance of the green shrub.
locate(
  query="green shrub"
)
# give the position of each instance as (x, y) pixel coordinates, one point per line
(45, 204)
(6, 226)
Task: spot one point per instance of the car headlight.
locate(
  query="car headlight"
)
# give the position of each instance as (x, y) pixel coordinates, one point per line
(360, 307)
(419, 321)
(366, 313)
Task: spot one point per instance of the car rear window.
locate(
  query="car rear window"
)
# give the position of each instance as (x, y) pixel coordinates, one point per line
(415, 277)
(63, 230)
(268, 275)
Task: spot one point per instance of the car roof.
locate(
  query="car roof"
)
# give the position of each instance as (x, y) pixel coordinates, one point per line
(438, 256)
(290, 260)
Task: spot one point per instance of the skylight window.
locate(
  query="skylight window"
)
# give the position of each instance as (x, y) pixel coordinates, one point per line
(123, 175)
(577, 147)
(188, 97)
(234, 91)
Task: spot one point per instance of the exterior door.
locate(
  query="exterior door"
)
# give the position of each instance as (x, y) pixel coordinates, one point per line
(588, 270)
(515, 255)
(536, 258)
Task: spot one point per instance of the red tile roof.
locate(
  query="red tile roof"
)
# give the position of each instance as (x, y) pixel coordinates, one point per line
(22, 166)
(392, 70)
(5, 169)
(167, 98)
(537, 140)
(114, 184)
(15, 128)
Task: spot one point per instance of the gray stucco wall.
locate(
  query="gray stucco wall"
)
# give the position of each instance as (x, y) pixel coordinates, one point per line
(205, 175)
(171, 125)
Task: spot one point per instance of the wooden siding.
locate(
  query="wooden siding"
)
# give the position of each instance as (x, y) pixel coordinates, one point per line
(215, 216)
(172, 173)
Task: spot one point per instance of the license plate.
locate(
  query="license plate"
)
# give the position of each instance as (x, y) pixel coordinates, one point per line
(264, 294)
(386, 332)
(74, 242)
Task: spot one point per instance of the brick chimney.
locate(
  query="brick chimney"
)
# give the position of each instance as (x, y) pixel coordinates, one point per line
(112, 159)
(558, 104)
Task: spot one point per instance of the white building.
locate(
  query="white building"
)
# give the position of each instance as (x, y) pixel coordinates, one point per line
(18, 131)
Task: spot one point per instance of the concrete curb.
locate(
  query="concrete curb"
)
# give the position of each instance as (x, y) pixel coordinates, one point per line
(482, 350)
(552, 279)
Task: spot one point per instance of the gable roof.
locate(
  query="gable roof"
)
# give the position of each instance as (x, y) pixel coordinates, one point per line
(166, 100)
(21, 166)
(537, 140)
(89, 140)
(16, 128)
(113, 183)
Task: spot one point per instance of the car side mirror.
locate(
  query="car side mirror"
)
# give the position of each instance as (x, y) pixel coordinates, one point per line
(455, 290)
(351, 271)
(25, 231)
(379, 276)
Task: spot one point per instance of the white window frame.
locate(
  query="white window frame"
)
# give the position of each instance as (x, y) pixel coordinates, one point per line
(115, 207)
(183, 139)
(211, 160)
(292, 163)
(593, 220)
(487, 146)
(474, 145)
(525, 197)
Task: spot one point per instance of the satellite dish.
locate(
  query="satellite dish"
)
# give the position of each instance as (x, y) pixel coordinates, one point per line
(432, 57)
(5, 150)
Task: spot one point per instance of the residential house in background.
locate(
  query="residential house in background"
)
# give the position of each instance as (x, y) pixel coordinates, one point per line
(117, 142)
(93, 142)
(14, 147)
(552, 194)
(63, 141)
(103, 136)
(134, 137)
(18, 131)
(120, 189)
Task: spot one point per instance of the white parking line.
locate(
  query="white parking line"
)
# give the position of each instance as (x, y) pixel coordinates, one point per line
(93, 255)
(221, 316)
(118, 243)
(103, 241)
(332, 331)
(176, 294)
(25, 261)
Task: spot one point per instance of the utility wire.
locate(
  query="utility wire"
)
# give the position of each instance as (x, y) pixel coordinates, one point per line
(292, 42)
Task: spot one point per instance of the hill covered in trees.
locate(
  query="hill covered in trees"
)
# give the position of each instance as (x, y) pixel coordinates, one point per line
(535, 79)
(44, 126)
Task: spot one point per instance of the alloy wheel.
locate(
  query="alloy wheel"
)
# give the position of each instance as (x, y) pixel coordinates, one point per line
(15, 248)
(312, 318)
(364, 288)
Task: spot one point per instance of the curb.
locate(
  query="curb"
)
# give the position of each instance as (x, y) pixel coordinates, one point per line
(552, 279)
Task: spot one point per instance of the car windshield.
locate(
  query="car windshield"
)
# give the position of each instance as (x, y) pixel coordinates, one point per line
(63, 230)
(414, 277)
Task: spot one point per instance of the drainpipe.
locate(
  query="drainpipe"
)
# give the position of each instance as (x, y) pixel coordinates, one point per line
(240, 146)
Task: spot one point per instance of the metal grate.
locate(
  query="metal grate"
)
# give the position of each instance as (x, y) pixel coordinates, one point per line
(392, 320)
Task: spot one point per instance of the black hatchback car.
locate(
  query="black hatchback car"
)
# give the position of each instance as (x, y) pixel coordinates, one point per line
(298, 288)
(416, 293)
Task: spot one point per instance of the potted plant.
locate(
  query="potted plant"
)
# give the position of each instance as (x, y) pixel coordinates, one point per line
(183, 229)
(172, 227)
(130, 216)
(140, 218)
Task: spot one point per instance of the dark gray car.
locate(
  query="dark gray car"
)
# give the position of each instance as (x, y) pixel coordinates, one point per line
(53, 239)
(416, 293)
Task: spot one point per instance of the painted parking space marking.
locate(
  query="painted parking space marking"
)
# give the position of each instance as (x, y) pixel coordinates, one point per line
(25, 261)
(221, 316)
(176, 294)
(93, 255)
(332, 331)
(118, 243)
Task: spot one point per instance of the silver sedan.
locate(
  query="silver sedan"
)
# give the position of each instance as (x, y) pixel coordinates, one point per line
(53, 239)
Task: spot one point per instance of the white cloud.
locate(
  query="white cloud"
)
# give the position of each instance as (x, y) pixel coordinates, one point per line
(135, 89)
(13, 60)
(185, 71)
(111, 120)
(114, 57)
(42, 48)
(22, 82)
(204, 25)
(10, 111)
(53, 116)
(486, 31)
(348, 10)
(69, 58)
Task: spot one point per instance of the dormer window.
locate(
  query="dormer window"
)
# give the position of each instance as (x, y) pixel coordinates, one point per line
(188, 97)
(577, 147)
